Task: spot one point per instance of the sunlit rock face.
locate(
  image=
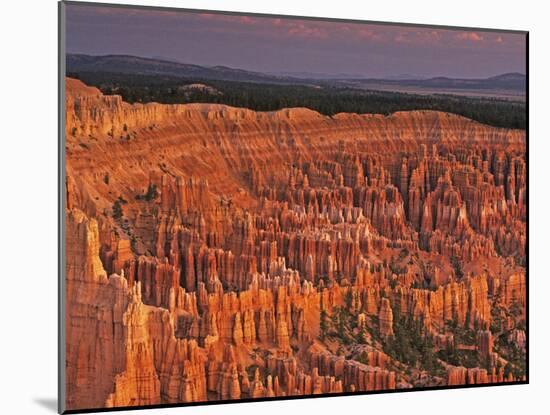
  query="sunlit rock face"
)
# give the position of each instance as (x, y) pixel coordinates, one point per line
(221, 253)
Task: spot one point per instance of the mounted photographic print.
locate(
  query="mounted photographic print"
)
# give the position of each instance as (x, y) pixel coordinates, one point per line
(258, 207)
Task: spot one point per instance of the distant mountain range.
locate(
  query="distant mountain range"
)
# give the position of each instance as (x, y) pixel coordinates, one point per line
(149, 66)
(508, 83)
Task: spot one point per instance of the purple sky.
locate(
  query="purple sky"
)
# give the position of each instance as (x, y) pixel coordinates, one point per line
(292, 45)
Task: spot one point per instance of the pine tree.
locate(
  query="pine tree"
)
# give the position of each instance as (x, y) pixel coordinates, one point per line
(117, 210)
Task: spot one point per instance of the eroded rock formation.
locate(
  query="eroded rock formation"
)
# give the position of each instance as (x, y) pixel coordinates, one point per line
(221, 253)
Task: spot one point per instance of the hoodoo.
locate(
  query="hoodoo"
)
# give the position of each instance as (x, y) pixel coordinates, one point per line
(221, 253)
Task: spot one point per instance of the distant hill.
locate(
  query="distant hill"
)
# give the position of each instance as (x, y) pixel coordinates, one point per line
(505, 85)
(512, 82)
(148, 66)
(515, 81)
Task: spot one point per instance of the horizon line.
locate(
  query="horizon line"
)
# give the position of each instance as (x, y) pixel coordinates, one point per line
(274, 74)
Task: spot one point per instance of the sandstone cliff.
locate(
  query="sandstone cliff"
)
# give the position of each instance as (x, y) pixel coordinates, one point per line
(220, 253)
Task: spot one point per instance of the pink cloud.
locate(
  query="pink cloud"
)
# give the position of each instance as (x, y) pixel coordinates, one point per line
(247, 20)
(303, 30)
(418, 36)
(228, 18)
(469, 36)
(368, 34)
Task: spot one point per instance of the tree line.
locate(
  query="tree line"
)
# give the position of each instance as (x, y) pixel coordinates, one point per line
(325, 98)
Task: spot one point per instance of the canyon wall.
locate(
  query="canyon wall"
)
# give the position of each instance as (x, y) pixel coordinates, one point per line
(221, 253)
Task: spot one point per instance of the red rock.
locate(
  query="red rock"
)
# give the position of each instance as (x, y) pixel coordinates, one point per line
(214, 286)
(385, 318)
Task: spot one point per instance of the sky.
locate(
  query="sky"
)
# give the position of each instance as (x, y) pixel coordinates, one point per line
(293, 46)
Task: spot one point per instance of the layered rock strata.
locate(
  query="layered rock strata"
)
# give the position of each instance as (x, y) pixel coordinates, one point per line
(220, 253)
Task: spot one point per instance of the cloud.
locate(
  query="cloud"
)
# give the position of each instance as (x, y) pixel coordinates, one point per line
(418, 36)
(304, 30)
(247, 20)
(370, 34)
(470, 36)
